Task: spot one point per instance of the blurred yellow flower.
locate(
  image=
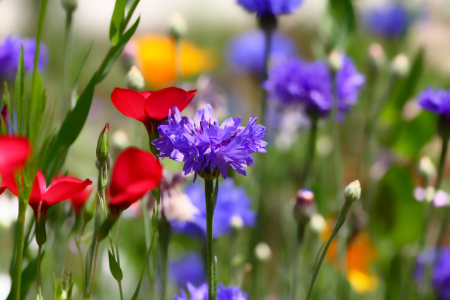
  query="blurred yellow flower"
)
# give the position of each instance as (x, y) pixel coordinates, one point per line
(361, 254)
(156, 58)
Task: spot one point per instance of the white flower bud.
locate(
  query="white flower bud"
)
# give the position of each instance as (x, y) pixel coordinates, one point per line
(120, 139)
(426, 168)
(353, 191)
(318, 223)
(236, 222)
(400, 65)
(134, 79)
(335, 60)
(178, 25)
(263, 252)
(376, 55)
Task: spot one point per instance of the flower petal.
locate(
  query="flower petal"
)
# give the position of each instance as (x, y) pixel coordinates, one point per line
(14, 151)
(158, 104)
(129, 102)
(64, 188)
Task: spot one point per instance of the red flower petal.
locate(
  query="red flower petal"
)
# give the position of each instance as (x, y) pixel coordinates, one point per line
(190, 96)
(14, 152)
(135, 173)
(78, 200)
(158, 104)
(129, 102)
(146, 94)
(64, 188)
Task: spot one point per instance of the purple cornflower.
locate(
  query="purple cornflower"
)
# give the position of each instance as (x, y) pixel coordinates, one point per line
(298, 82)
(203, 145)
(189, 268)
(436, 101)
(10, 52)
(270, 7)
(233, 209)
(245, 53)
(201, 293)
(390, 21)
(440, 274)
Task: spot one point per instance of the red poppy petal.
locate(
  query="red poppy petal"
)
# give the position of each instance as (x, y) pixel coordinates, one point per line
(78, 200)
(129, 102)
(14, 152)
(64, 188)
(39, 186)
(146, 94)
(135, 173)
(190, 96)
(158, 104)
(9, 181)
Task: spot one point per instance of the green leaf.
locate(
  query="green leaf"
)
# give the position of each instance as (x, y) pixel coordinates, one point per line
(395, 207)
(114, 267)
(20, 88)
(116, 21)
(343, 21)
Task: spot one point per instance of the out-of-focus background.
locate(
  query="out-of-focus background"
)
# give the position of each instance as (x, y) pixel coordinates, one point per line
(212, 24)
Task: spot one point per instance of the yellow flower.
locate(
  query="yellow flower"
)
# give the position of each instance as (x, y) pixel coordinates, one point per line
(156, 58)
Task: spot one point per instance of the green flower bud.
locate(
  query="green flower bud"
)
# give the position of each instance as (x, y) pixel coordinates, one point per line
(69, 5)
(400, 65)
(353, 191)
(134, 79)
(426, 168)
(103, 145)
(376, 57)
(178, 26)
(304, 207)
(335, 60)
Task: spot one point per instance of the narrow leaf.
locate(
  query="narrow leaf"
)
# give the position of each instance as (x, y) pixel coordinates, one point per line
(114, 267)
(116, 21)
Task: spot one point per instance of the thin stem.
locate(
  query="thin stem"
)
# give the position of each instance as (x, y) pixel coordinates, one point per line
(340, 220)
(20, 227)
(311, 150)
(268, 36)
(209, 191)
(67, 52)
(39, 273)
(297, 259)
(163, 247)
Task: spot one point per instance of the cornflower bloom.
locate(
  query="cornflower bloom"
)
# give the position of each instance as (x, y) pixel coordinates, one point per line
(436, 101)
(272, 7)
(232, 206)
(389, 21)
(440, 276)
(201, 293)
(204, 145)
(190, 268)
(245, 52)
(10, 52)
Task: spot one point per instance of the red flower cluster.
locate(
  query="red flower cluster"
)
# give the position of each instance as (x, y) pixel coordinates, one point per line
(135, 173)
(150, 107)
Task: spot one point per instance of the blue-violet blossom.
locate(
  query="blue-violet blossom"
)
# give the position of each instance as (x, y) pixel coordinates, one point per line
(233, 207)
(299, 82)
(435, 101)
(441, 272)
(245, 53)
(10, 52)
(390, 21)
(270, 7)
(189, 268)
(201, 293)
(203, 145)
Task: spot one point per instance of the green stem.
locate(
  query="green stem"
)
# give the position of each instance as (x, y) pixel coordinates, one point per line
(66, 66)
(163, 247)
(311, 150)
(297, 259)
(209, 191)
(340, 220)
(268, 36)
(39, 273)
(20, 227)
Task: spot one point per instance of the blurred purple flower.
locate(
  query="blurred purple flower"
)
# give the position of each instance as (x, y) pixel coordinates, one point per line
(437, 101)
(245, 53)
(10, 52)
(390, 21)
(203, 144)
(441, 198)
(233, 206)
(270, 7)
(189, 268)
(298, 82)
(201, 293)
(441, 273)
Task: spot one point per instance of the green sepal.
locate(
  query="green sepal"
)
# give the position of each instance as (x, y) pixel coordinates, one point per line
(114, 267)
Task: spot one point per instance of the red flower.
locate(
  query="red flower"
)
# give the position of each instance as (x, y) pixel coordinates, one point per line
(135, 173)
(78, 200)
(42, 198)
(150, 107)
(14, 152)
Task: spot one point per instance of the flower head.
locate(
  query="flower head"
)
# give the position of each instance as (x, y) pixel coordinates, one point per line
(189, 268)
(298, 82)
(150, 107)
(10, 52)
(273, 7)
(42, 197)
(203, 145)
(436, 101)
(14, 151)
(78, 200)
(135, 173)
(201, 293)
(232, 203)
(390, 21)
(441, 273)
(156, 58)
(245, 53)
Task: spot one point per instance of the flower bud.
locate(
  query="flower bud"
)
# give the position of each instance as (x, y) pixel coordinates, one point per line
(353, 191)
(304, 207)
(236, 222)
(335, 60)
(400, 65)
(178, 26)
(376, 56)
(103, 145)
(426, 168)
(263, 252)
(134, 79)
(69, 5)
(268, 22)
(430, 192)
